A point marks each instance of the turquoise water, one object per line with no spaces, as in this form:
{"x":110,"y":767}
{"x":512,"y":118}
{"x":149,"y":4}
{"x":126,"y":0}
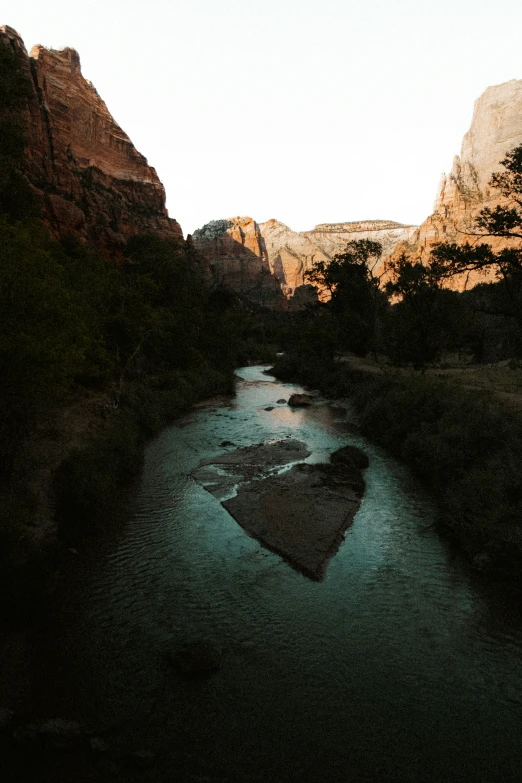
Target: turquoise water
{"x":401,"y":665}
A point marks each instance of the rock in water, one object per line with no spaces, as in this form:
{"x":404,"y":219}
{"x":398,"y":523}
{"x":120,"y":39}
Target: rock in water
{"x":302,"y":514}
{"x":350,"y":455}
{"x":300,"y":400}
{"x":199,"y":657}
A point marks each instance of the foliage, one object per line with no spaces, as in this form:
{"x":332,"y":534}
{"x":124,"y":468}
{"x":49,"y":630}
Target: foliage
{"x":464,"y":444}
{"x":426,"y":320}
{"x":355,"y":297}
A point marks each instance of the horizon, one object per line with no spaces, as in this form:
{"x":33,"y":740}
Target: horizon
{"x":284,"y":134}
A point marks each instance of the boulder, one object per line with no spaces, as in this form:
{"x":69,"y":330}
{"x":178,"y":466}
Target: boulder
{"x":300,"y":400}
{"x":350,"y":455}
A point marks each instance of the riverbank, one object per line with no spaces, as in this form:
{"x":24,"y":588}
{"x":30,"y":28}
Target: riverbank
{"x":76,"y":468}
{"x":396,"y":648}
{"x":465,"y":444}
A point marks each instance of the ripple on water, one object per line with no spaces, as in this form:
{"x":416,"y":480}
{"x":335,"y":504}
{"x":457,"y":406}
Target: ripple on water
{"x":401,"y":665}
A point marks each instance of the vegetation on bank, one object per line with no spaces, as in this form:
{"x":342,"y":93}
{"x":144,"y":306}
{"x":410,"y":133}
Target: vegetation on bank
{"x":465,"y":445}
{"x":142,"y":333}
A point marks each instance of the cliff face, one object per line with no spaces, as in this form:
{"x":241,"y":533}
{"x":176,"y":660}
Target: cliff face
{"x":291,"y":253}
{"x":93,"y":182}
{"x":495,"y":129}
{"x":235,"y":255}
{"x":287,"y":255}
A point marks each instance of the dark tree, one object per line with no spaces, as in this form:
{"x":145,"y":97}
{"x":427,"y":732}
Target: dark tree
{"x":426,"y":319}
{"x":355,"y":296}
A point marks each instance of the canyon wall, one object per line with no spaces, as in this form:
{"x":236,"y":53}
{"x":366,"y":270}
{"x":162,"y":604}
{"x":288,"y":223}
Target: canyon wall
{"x":496,"y":128}
{"x":239,"y":250}
{"x":93,"y":182}
{"x":235,"y":255}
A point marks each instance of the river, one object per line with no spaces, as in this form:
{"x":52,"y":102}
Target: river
{"x":401,"y":665}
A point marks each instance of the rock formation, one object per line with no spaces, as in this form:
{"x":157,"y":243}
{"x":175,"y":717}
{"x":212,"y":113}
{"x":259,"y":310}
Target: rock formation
{"x":235,"y":254}
{"x":241,"y":252}
{"x":92,"y":180}
{"x":291,"y":253}
{"x":496,"y":128}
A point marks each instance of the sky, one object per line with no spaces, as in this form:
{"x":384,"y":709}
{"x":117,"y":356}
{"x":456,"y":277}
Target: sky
{"x":308,"y":111}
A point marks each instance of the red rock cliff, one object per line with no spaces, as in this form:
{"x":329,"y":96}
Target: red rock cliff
{"x":495,"y":129}
{"x":235,"y":254}
{"x":93,"y":181}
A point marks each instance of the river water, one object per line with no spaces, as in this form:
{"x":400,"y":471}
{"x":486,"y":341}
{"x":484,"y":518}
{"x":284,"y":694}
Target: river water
{"x":401,"y":665}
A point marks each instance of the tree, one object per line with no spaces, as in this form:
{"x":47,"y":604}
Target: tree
{"x":355,"y":296}
{"x":426,"y":319}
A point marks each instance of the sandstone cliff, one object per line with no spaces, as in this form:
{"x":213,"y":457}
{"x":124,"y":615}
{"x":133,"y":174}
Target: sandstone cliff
{"x":495,"y":129}
{"x":235,"y":255}
{"x":291,"y":253}
{"x":239,"y":249}
{"x":93,"y":182}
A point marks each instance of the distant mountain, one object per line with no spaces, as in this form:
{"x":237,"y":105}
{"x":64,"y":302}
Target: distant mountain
{"x":242,"y":252}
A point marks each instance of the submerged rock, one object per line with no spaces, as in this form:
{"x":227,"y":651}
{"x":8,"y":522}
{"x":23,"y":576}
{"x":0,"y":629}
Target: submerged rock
{"x":220,"y":474}
{"x":301,"y":514}
{"x":282,"y":401}
{"x":199,"y":657}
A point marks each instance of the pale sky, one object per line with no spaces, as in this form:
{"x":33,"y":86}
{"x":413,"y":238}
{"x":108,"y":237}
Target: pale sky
{"x":307,"y":111}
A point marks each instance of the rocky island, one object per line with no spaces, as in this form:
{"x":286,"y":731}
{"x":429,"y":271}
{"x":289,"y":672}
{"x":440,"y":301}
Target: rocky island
{"x":298,"y":510}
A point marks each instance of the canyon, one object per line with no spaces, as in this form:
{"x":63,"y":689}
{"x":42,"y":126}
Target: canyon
{"x":92,"y":182}
{"x":254,"y":257}
{"x":244,"y":262}
{"x":94,"y":185}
